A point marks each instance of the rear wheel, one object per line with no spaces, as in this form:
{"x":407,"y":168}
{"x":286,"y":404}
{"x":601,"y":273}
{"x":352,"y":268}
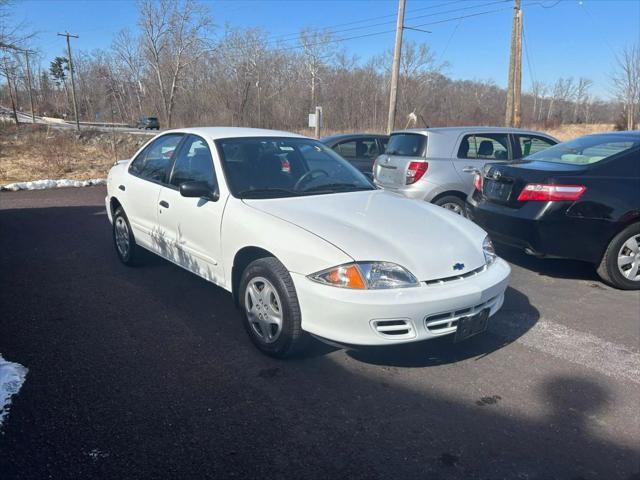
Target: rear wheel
{"x":126,"y":248}
{"x":452,"y":203}
{"x":271,"y":311}
{"x":620,"y":265}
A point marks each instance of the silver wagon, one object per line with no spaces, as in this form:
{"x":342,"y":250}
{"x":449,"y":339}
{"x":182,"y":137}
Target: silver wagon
{"x":437,"y":164}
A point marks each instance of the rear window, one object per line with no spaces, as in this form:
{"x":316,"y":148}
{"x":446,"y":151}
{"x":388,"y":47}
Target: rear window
{"x":406,"y":145}
{"x":587,"y":150}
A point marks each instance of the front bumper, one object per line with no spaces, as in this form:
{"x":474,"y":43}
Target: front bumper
{"x":385,"y":317}
{"x":107,"y":204}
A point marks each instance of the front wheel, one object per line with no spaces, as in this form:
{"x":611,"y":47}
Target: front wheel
{"x":271,"y":311}
{"x":452,"y":203}
{"x":620,"y":265}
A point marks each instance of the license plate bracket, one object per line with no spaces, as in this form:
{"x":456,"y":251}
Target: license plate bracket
{"x":472,"y":325}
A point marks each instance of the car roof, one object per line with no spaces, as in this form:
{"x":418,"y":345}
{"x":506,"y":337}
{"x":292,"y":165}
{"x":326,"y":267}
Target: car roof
{"x":216,"y":133}
{"x":347,"y":136}
{"x":470,"y":129}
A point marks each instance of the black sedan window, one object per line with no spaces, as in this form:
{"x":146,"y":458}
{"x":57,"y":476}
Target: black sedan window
{"x":587,"y":150}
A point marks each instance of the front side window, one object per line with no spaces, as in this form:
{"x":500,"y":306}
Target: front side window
{"x":485,"y":147}
{"x":153,"y":162}
{"x":406,"y":145}
{"x":587,"y":150}
{"x":193,"y":163}
{"x":266,"y":167}
{"x":530,"y":144}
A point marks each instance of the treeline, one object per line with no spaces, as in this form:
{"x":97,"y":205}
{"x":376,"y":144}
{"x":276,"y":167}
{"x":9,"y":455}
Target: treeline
{"x":169,"y":67}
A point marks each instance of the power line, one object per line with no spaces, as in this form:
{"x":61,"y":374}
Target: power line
{"x":336,"y":40}
{"x":532,"y":75}
{"x":328,"y":29}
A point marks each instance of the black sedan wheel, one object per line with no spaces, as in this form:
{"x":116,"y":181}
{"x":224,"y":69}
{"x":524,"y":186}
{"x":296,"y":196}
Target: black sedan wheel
{"x":620,"y":264}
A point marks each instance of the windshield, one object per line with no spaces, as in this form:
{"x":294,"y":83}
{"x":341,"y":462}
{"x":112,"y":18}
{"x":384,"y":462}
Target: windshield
{"x":284,"y":167}
{"x":406,"y":144}
{"x":587,"y":150}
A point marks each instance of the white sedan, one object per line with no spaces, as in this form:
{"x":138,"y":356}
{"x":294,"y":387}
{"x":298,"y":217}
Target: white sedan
{"x":303,"y":241}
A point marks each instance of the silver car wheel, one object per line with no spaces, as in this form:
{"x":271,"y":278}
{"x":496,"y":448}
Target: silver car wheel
{"x":263,"y":307}
{"x":122,"y":237}
{"x":629,"y":259}
{"x":453,"y":207}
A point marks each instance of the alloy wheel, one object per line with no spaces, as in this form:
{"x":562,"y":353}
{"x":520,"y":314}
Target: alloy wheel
{"x":453,"y":207}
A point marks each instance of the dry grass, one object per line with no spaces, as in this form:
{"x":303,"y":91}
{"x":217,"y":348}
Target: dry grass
{"x":33,"y":152}
{"x":574,"y":130}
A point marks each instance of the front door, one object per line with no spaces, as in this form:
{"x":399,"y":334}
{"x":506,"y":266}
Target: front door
{"x":140,"y":191}
{"x":190,"y":227}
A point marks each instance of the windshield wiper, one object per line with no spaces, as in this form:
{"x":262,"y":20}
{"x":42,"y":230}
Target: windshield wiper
{"x":338,"y":187}
{"x":268,"y":193}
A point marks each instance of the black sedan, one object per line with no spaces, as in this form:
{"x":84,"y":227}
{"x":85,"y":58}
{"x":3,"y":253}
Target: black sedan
{"x":359,"y":149}
{"x":578,"y":199}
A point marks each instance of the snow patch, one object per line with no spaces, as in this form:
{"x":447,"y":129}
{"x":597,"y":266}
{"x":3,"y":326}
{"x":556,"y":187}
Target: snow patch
{"x":42,"y":184}
{"x":12,"y":377}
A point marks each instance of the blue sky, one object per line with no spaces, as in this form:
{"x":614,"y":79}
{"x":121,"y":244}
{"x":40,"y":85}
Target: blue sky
{"x":567,"y":38}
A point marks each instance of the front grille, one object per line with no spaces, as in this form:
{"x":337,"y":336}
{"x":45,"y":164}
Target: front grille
{"x":447,"y":322}
{"x":396,"y":328}
{"x":442,"y":281}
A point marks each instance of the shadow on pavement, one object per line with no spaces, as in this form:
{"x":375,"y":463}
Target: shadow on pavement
{"x":550,"y":267}
{"x":442,"y":351}
{"x":147,"y":373}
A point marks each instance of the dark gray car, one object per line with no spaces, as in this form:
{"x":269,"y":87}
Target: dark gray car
{"x":359,"y":149}
{"x":148,"y":123}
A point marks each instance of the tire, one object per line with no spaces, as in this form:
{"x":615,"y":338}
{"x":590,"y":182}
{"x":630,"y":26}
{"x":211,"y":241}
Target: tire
{"x":123,"y":240}
{"x":259,"y":312}
{"x":624,"y":246}
{"x":451,"y":203}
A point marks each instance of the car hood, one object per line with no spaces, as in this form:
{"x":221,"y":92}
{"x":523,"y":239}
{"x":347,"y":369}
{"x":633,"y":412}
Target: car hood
{"x":384,"y":226}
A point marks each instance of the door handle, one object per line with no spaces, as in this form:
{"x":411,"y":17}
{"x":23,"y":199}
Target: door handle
{"x":469,"y":169}
{"x":164,"y":204}
{"x":121,"y":187}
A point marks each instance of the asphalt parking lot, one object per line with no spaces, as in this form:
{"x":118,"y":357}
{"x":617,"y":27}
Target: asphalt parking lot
{"x":148,"y":373}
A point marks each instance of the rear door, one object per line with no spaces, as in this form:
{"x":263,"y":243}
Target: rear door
{"x":361,"y":153}
{"x":476,"y":150}
{"x":189,"y":228}
{"x":390,"y":169}
{"x":147,"y":172}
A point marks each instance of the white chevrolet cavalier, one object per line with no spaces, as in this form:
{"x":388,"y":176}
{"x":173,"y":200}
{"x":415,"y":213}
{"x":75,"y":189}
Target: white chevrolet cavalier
{"x":303,"y":241}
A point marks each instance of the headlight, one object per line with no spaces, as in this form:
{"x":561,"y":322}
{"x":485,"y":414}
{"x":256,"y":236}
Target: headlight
{"x":489,"y":251}
{"x":366,"y":275}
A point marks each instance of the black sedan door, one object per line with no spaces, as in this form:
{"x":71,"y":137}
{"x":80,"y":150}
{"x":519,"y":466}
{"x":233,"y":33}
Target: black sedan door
{"x":361,"y":153}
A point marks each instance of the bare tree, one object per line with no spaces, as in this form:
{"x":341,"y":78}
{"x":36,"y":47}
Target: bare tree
{"x":626,"y":82}
{"x":173,"y":37}
{"x":317,"y":53}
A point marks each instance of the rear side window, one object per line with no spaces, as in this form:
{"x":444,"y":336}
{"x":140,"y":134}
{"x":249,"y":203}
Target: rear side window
{"x":407,"y":145}
{"x":194,"y":163}
{"x":530,"y":144}
{"x":153,"y":162}
{"x":588,"y":150}
{"x":361,"y":148}
{"x":485,"y":147}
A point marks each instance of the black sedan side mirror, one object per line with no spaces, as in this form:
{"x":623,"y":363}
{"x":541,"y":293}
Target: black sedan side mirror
{"x":199,"y":190}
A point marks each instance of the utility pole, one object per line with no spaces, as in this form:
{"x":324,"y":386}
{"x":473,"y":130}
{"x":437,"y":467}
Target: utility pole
{"x":395,"y":71}
{"x":33,"y":114}
{"x":515,"y":68}
{"x":13,"y":101}
{"x":73,"y":84}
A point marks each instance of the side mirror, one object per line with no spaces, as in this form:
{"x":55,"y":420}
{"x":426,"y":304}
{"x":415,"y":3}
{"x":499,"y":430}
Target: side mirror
{"x":199,"y":190}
